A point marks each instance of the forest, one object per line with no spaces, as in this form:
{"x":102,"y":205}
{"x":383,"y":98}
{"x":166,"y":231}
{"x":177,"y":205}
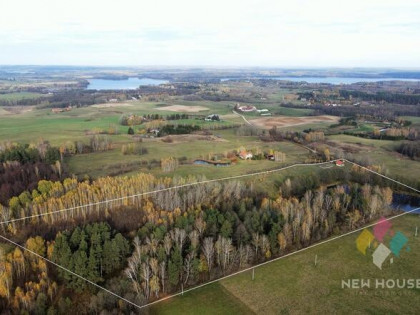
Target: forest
{"x":147,"y":246}
{"x":394,"y":98}
{"x":22,"y":166}
{"x":177,"y":129}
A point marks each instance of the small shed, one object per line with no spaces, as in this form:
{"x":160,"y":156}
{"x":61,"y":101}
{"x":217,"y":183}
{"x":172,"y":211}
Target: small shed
{"x":339,"y":163}
{"x":245,"y":155}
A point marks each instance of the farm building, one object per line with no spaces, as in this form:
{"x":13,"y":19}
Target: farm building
{"x":245,"y":108}
{"x":212,"y":117}
{"x":245,"y":155}
{"x":270,"y":157}
{"x":154,"y":131}
{"x":339,"y":163}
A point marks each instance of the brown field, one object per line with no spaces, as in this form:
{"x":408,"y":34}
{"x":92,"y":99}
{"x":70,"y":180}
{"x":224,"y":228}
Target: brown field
{"x":14,"y":110}
{"x":284,"y":121}
{"x":183,"y":108}
{"x":186,"y":138}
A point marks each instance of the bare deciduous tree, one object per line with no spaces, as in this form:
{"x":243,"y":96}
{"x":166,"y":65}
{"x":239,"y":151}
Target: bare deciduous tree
{"x":208,"y":251}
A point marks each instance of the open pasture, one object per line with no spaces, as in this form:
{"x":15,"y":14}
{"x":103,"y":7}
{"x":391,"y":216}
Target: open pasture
{"x":184,"y":108}
{"x":295,"y":285}
{"x":282,"y":122}
{"x":381,"y":153}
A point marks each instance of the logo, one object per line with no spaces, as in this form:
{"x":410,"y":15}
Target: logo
{"x":376,"y":241}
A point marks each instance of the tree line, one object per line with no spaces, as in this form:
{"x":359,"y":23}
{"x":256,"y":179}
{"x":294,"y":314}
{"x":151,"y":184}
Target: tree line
{"x":177,"y":129}
{"x":382,"y":96}
{"x":179,"y":238}
{"x":22,"y":166}
{"x":410,"y":149}
{"x":26,"y":153}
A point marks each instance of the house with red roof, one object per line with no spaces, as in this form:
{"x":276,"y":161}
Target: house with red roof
{"x":245,"y":155}
{"x":339,"y":163}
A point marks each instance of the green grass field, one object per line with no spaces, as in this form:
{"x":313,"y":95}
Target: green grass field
{"x":293,"y":112}
{"x":102,"y":163}
{"x":381,"y":153}
{"x":58,"y":128}
{"x":294,"y":285}
{"x":31,"y":126}
{"x":19,"y":96}
{"x":212,"y":299}
{"x":415,"y":121}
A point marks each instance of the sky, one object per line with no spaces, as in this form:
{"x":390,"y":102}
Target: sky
{"x":266,"y":33}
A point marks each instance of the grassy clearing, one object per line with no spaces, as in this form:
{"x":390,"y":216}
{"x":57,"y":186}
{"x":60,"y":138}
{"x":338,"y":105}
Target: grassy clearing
{"x":103,"y":163}
{"x":292,"y":112}
{"x":414,"y":120}
{"x":19,"y":96}
{"x":58,"y":128}
{"x":314,"y":126}
{"x":381,"y":153}
{"x":202,"y":302}
{"x":365,"y":141}
{"x":281,"y":96}
{"x":75,"y":125}
{"x":294,"y":285}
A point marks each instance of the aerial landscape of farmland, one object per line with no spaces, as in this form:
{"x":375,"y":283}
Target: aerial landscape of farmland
{"x":236,"y":157}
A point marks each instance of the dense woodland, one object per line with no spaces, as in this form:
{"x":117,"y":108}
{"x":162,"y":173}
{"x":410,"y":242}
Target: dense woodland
{"x":383,"y":111}
{"x":147,"y":246}
{"x":395,"y":98}
{"x":23,"y":166}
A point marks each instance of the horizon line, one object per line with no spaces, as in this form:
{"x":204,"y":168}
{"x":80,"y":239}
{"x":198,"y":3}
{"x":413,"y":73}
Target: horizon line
{"x":301,"y":67}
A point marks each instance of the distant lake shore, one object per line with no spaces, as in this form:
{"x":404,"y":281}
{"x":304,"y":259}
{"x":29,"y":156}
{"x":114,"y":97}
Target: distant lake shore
{"x":330,"y":80}
{"x":124,"y":84}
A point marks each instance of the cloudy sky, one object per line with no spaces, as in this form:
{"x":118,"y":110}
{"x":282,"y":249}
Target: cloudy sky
{"x":367,"y":33}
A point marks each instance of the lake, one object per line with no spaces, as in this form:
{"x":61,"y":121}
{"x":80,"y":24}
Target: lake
{"x":205,"y":162}
{"x":330,"y":80}
{"x":127,"y":84}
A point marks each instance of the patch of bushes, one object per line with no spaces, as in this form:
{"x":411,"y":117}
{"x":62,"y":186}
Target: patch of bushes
{"x":177,"y":130}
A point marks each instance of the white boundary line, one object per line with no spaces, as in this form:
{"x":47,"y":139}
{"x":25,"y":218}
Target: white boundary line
{"x":73,"y":273}
{"x":166,"y":189}
{"x":276,"y":259}
{"x":389,"y":178}
{"x":232,"y":274}
{"x":209,"y":282}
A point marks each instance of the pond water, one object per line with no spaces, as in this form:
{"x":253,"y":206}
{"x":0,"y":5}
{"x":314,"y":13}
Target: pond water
{"x":405,"y":202}
{"x":330,"y":80}
{"x":400,"y":201}
{"x":203,"y":162}
{"x":127,"y":84}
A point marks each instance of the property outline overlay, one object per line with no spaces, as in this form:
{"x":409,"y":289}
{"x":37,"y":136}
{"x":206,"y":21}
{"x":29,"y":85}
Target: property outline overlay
{"x":167,"y":189}
{"x":197,"y":183}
